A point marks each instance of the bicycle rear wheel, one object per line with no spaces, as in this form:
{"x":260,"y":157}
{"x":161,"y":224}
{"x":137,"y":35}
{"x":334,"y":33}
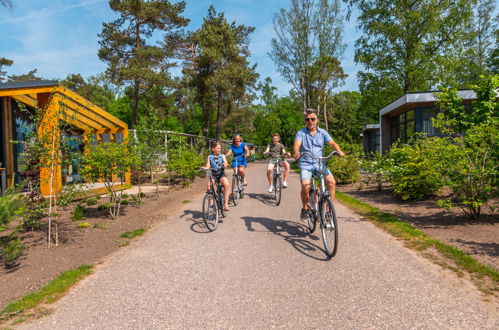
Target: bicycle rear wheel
{"x":277,"y":190}
{"x":241,"y":187}
{"x":235,"y":190}
{"x":210,"y":212}
{"x":329,"y":227}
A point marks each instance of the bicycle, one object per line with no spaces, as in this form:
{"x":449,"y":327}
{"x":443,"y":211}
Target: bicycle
{"x":237,"y":186}
{"x":213,"y":202}
{"x":321,"y":208}
{"x":277,"y":180}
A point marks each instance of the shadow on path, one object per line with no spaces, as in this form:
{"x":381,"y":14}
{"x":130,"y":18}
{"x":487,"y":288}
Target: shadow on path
{"x":292,"y":232}
{"x":196,"y":217}
{"x":266,"y":199}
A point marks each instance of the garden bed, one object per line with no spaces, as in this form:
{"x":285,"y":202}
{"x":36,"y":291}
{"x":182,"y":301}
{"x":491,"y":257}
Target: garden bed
{"x":91,"y":245}
{"x":477,"y":238}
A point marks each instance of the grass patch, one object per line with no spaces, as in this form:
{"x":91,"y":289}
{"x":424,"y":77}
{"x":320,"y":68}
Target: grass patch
{"x":133,"y":233}
{"x":185,"y":201}
{"x":125,"y":243}
{"x":420,"y":241}
{"x":48,"y":294}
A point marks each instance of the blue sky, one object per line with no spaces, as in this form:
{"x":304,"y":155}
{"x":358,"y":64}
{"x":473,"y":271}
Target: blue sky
{"x":59,"y":37}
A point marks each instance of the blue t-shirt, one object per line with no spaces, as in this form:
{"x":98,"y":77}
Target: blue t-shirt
{"x":239,"y":155}
{"x":312,"y":144}
{"x":238,"y":151}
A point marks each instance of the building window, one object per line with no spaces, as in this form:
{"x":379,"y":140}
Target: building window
{"x":23,"y":130}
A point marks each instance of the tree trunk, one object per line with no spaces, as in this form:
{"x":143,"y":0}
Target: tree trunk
{"x":219,"y":114}
{"x":326,"y":124}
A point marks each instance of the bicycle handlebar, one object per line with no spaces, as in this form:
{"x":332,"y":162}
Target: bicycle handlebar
{"x":334,"y":152}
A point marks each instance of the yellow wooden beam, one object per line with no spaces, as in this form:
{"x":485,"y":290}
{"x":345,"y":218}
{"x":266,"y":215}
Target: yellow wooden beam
{"x":27,"y":90}
{"x":26,"y":99}
{"x":69,"y":113}
{"x":99,"y":111}
{"x":89,"y":113}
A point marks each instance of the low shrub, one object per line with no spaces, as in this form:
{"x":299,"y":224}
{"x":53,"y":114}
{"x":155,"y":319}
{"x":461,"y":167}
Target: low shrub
{"x":78,"y":213}
{"x":345,"y":169}
{"x":12,"y":250}
{"x":90,"y":201}
{"x":414,"y":170}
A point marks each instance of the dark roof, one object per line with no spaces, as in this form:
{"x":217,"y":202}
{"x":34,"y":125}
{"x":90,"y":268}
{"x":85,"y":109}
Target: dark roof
{"x":27,"y":84}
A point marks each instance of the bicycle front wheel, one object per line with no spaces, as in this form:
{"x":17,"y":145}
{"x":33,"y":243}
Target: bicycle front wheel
{"x":221,"y":199}
{"x":312,"y":216}
{"x":277,"y":190}
{"x":329,"y":227}
{"x":235,"y":190}
{"x":210,"y":212}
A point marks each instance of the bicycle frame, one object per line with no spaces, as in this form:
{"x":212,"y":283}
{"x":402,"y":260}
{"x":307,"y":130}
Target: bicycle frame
{"x":216,"y":188}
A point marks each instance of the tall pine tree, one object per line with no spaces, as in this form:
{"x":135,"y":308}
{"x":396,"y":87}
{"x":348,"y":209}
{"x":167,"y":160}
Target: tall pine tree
{"x":219,"y":69}
{"x":132,"y":60}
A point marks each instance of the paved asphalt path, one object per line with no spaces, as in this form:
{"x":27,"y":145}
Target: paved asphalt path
{"x":260,"y":269}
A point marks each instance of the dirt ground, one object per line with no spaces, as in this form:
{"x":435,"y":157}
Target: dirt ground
{"x":91,"y":245}
{"x":477,"y":238}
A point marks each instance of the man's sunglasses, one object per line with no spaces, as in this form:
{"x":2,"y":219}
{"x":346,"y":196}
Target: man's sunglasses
{"x":310,"y":119}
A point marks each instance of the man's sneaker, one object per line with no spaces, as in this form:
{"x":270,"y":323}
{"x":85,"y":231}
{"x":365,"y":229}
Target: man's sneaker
{"x":285,"y":184}
{"x":271,"y":188}
{"x":304,"y":214}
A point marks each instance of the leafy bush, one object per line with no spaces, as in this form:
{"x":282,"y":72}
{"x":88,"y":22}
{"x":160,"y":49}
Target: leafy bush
{"x":184,"y":160}
{"x":109,"y":162}
{"x":78,"y":213}
{"x":472,"y":174}
{"x":68,"y":194}
{"x":345,"y":169}
{"x":376,"y":169}
{"x":414,"y":171}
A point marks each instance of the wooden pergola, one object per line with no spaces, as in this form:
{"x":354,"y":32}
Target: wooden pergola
{"x":58,"y":104}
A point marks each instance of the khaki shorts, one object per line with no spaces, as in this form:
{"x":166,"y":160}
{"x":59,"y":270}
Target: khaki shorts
{"x":271,"y":162}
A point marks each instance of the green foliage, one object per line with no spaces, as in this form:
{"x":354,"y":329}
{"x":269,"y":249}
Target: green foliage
{"x":376,"y":169}
{"x":307,"y":48}
{"x":284,"y":116}
{"x":78,"y":213}
{"x":106,"y":162}
{"x":12,"y":205}
{"x":103,"y":207}
{"x":68,"y":194}
{"x":220,"y":72}
{"x":146,"y":65}
{"x":133,"y":233}
{"x":12,"y":250}
{"x":345,"y":169}
{"x":183,"y":160}
{"x":346,"y":117}
{"x":473,"y":173}
{"x":415,"y":170}
{"x":90,"y":201}
{"x":4,"y":62}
